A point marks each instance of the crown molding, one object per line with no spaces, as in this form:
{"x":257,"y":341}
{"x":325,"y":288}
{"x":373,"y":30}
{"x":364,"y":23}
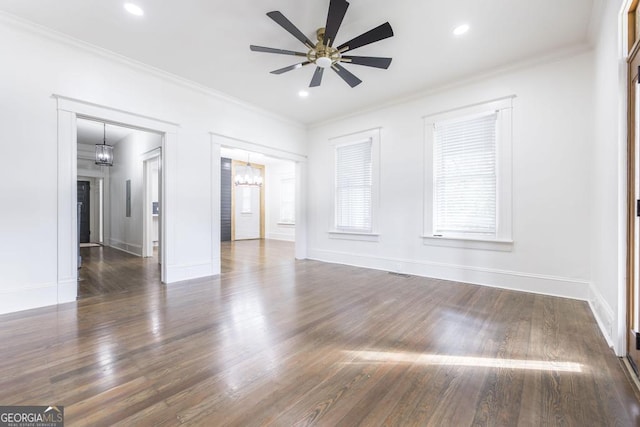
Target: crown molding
{"x":437,"y":88}
{"x":56,"y":36}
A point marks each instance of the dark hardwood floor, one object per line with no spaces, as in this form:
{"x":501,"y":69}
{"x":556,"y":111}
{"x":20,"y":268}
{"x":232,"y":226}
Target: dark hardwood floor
{"x":245,"y":255}
{"x":105,"y":270}
{"x":273,"y":341}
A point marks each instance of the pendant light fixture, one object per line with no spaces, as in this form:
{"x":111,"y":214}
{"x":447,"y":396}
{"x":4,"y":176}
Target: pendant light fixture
{"x":104,"y":152}
{"x":247,"y":175}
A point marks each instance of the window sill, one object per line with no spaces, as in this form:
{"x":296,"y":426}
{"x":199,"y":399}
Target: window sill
{"x":468,"y":243}
{"x":354,"y":235}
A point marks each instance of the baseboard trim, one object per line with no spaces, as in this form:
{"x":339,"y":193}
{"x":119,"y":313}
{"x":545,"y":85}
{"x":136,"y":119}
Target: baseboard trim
{"x":180,"y":273}
{"x":514,"y":280}
{"x":36,"y":296}
{"x":603,"y":314}
{"x":130,"y":248}
{"x":281,"y":236}
{"x":67,"y":291}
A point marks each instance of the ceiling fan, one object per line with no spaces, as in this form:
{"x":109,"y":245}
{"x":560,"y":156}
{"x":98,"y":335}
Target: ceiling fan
{"x":322,"y":53}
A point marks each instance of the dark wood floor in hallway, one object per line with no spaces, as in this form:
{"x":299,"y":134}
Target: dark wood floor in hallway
{"x":273,"y":341}
{"x":106,"y":270}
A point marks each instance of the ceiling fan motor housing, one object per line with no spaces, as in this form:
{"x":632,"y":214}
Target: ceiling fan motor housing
{"x":322,"y":55}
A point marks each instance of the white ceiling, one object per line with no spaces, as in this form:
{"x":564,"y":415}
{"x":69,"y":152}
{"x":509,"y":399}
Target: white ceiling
{"x":91,"y":132}
{"x":207,"y":41}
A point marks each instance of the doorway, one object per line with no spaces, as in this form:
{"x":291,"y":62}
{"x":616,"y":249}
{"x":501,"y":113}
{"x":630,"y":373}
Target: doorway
{"x":69,"y":111}
{"x":266,"y":211}
{"x":91,"y":201}
{"x":84,"y":211}
{"x":118,"y":206}
{"x":257,"y":222}
{"x":633,"y":196}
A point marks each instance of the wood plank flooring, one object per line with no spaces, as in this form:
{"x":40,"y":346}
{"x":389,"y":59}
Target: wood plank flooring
{"x":279,"y":342}
{"x":106,"y":270}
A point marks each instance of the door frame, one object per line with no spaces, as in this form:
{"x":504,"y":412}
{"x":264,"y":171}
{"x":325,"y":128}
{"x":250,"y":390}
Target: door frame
{"x":300,"y":160}
{"x":69,"y":109}
{"x":632,"y":325}
{"x":147,"y":217}
{"x":632,"y":195}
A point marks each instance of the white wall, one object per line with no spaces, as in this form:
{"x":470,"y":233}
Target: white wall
{"x":39,"y":66}
{"x":552,"y":160}
{"x":126,"y":232}
{"x":276,"y":171}
{"x":608,"y":181}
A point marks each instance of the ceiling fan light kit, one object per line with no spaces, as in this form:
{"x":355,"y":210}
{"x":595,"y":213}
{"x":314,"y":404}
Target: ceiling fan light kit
{"x":323,"y":54}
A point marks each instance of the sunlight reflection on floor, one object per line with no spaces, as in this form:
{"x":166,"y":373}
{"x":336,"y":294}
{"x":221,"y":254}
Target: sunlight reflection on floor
{"x":483,"y":362}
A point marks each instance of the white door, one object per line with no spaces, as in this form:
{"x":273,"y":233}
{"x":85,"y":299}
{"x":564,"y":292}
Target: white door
{"x":247,"y":212}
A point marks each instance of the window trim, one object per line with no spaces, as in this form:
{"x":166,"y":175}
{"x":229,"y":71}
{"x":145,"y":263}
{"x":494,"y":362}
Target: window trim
{"x":503,"y":239}
{"x":372,"y":135}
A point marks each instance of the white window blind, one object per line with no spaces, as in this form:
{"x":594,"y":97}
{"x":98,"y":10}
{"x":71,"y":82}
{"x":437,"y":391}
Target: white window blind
{"x":354,"y":187}
{"x":465,"y":186}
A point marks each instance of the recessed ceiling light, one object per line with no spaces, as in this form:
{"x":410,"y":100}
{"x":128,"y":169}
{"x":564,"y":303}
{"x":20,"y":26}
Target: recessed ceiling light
{"x":134,"y":9}
{"x":461,"y":29}
{"x":303,"y":94}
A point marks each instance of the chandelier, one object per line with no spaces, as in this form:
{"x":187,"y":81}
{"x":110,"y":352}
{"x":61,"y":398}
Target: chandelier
{"x":248,"y":176}
{"x":104,"y":152}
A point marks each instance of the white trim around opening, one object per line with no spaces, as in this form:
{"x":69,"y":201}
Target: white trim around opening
{"x":69,"y":110}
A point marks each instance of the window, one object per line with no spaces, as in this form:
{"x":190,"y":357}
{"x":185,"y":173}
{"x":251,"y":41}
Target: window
{"x":468,"y":178}
{"x":356,"y":198}
{"x":353,"y":187}
{"x":287,"y":201}
{"x":464,"y":177}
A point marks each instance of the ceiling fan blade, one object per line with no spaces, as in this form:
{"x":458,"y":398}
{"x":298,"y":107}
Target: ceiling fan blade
{"x":292,"y":29}
{"x":290,"y":68}
{"x":369,"y":61}
{"x":381,"y":32}
{"x":317,"y":77}
{"x":337,"y":10}
{"x":272,"y":50}
{"x":351,"y":80}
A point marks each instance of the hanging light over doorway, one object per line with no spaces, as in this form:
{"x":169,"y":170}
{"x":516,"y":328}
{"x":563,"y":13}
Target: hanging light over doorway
{"x":247,"y":175}
{"x":104,"y":152}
